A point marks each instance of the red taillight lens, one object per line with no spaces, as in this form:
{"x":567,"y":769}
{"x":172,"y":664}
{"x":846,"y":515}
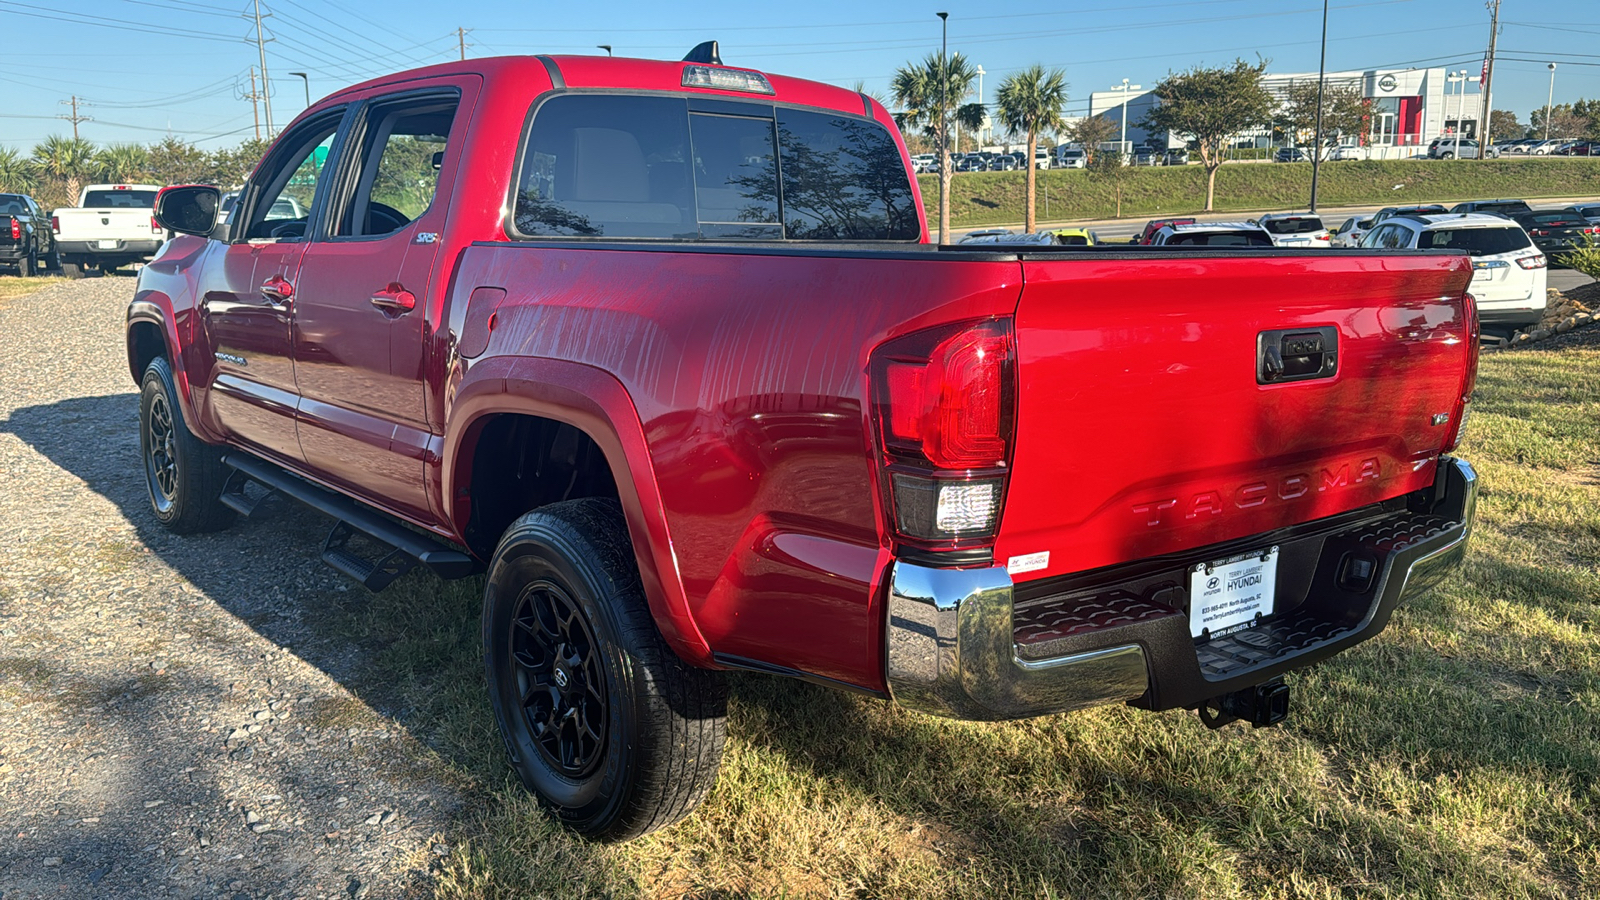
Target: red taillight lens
{"x":16,"y":230}
{"x":1532,"y":262}
{"x":948,"y":405}
{"x":1469,"y":377}
{"x":155,"y":227}
{"x":55,"y":224}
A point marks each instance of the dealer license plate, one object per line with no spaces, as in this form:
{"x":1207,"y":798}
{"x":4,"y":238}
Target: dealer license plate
{"x":107,"y":245}
{"x":1232,"y":594}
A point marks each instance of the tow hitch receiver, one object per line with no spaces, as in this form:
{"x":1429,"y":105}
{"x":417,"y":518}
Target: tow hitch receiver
{"x":1261,"y":705}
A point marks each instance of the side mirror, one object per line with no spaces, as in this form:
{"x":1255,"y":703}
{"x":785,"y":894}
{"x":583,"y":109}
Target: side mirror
{"x":188,"y":209}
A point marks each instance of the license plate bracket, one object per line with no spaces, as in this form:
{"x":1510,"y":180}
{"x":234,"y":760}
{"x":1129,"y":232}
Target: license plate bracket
{"x":1232,"y":594}
{"x":106,"y":245}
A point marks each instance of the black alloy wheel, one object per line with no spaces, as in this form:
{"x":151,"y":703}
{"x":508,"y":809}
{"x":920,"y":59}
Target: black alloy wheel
{"x":161,"y":456}
{"x":184,"y":474}
{"x":560,"y":677}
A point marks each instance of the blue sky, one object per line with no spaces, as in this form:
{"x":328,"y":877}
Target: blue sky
{"x":142,"y":67}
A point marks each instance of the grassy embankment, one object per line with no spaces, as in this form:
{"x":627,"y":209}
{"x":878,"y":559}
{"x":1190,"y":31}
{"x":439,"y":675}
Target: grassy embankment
{"x":985,"y":198}
{"x":1456,"y":755}
{"x":15,"y":287}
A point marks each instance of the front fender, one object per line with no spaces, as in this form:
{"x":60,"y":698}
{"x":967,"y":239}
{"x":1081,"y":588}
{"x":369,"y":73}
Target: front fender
{"x":597,"y":404}
{"x":156,"y":308}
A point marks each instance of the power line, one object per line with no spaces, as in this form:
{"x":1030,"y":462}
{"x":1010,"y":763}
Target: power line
{"x":74,"y":118}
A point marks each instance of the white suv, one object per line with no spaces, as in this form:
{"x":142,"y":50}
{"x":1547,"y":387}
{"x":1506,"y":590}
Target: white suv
{"x":1509,"y":272}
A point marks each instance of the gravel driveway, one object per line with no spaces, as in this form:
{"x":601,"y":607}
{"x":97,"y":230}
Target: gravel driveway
{"x":173,"y":723}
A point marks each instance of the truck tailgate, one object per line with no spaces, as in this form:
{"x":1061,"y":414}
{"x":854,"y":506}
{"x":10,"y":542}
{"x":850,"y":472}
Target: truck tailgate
{"x":78,"y":224}
{"x":1142,"y":428}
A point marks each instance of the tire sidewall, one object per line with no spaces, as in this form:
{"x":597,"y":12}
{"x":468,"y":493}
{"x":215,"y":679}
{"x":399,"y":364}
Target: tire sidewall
{"x":542,"y":549}
{"x":158,"y":382}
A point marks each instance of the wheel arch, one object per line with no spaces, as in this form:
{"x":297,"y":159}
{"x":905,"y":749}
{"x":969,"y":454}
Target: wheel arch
{"x":151,"y":333}
{"x":599,"y":407}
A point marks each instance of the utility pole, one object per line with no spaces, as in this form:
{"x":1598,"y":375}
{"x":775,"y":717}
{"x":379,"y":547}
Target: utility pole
{"x":255,"y":105}
{"x":74,"y":118}
{"x":461,"y":38}
{"x":1488,"y":75}
{"x":1322,"y":76}
{"x":261,"y":49}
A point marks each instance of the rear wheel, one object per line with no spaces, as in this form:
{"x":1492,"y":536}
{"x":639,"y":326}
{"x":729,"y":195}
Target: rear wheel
{"x":72,"y":270}
{"x":27,"y":266}
{"x":52,"y":261}
{"x":1447,"y":155}
{"x":184,"y":474}
{"x":603,"y":722}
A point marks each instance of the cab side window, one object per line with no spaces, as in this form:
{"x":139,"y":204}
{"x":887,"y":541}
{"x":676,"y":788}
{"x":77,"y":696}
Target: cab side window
{"x":282,"y":210}
{"x":402,"y":151}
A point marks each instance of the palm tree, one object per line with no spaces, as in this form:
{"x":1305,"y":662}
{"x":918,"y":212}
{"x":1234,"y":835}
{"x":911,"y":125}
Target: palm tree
{"x":123,"y":163}
{"x":69,"y":160}
{"x":17,"y":174}
{"x":929,"y":95}
{"x":1029,"y":102}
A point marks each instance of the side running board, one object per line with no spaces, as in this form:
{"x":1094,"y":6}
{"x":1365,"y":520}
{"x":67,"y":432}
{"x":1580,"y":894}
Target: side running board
{"x":404,"y":548}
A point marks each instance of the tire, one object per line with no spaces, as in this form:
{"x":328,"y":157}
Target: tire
{"x":183,"y":474}
{"x":52,"y":261}
{"x":72,"y":270}
{"x":568,"y":638}
{"x":1447,"y":155}
{"x":28,"y":266}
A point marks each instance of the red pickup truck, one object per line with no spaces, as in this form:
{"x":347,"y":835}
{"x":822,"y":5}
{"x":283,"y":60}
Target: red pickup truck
{"x":664,"y":349}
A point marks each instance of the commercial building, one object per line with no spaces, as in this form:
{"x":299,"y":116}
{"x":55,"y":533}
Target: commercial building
{"x":1409,"y":108}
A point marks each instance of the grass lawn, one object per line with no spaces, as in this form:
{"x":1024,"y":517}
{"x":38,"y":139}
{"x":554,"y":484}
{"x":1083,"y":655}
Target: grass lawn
{"x":1456,"y":755}
{"x":15,"y":287}
{"x":983,"y":198}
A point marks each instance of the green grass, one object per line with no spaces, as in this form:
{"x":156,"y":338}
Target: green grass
{"x":11,"y":286}
{"x":984,"y":198}
{"x":1456,"y":755}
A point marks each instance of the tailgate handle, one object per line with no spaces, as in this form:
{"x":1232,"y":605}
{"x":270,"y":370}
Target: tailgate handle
{"x":1297,"y":354}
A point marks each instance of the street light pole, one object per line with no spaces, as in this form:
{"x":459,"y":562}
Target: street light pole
{"x":1459,"y":78}
{"x":1124,"y":87}
{"x":605,"y":47}
{"x":944,"y":130}
{"x":981,"y":73}
{"x":1322,"y":69}
{"x":1547,"y":100}
{"x":307,"y":79}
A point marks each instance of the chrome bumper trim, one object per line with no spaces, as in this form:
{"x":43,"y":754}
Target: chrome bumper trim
{"x":951,"y":652}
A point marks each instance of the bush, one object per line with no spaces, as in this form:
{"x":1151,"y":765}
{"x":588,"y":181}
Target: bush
{"x":1585,"y":259}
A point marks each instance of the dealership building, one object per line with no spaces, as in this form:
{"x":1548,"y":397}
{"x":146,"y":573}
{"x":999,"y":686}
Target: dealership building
{"x":1409,"y":108}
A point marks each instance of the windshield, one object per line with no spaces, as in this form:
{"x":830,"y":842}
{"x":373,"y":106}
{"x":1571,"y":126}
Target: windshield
{"x":1475,"y":241}
{"x":1299,"y":225}
{"x":120,"y":200}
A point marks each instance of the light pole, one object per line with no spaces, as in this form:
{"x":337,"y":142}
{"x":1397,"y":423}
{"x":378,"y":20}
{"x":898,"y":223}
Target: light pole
{"x":944,"y":131}
{"x":1449,"y":79}
{"x":1322,"y":69}
{"x":981,"y":73}
{"x":1547,"y":98}
{"x":1124,"y":87}
{"x":605,"y":47}
{"x":307,"y":80}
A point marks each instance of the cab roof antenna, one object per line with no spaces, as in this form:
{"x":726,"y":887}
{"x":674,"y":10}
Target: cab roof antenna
{"x":705,"y":53}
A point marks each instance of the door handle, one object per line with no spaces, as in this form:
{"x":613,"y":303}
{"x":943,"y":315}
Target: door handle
{"x":395,"y":299}
{"x":278,"y":291}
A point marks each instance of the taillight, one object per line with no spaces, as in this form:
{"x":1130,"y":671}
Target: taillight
{"x":1532,"y":262}
{"x":16,"y":230}
{"x":1539,"y":232}
{"x":155,"y":227}
{"x":942,"y":403}
{"x":1469,"y":377}
{"x":55,"y":224}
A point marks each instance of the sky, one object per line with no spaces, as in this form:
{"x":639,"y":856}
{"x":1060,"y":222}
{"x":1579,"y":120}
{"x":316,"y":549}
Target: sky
{"x":142,"y":69}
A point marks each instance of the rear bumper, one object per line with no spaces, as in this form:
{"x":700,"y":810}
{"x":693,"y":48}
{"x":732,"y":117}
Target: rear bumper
{"x":122,"y":249}
{"x":958,"y":643}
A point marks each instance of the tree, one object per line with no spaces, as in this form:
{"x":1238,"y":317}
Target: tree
{"x":232,"y":165}
{"x":174,"y":161}
{"x":1211,"y":106}
{"x":1504,"y":122}
{"x":1563,"y":123}
{"x":17,"y":172}
{"x":1090,"y":132}
{"x":930,"y":96}
{"x":1344,"y":111}
{"x":1589,"y":112}
{"x":1029,"y":102}
{"x":123,"y":163}
{"x":69,"y":161}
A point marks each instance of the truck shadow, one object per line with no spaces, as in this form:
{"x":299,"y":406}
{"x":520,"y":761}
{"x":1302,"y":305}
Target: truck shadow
{"x":1073,"y":800}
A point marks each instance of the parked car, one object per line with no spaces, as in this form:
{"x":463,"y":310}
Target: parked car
{"x":110,"y":227}
{"x":1453,"y":148}
{"x":970,"y":162}
{"x":1071,"y":157}
{"x":1580,"y":148}
{"x":1545,"y":148}
{"x":1154,"y":225}
{"x":1348,"y":152}
{"x":1509,"y":272}
{"x":785,"y":445}
{"x":1290,"y":154}
{"x":1146,"y":156}
{"x":282,"y":208}
{"x":1042,"y":159}
{"x":1296,"y":230}
{"x":1421,"y":209}
{"x":1556,"y":231}
{"x":1590,"y":211}
{"x":1003,"y":163}
{"x":984,"y":235}
{"x":1349,"y":234}
{"x":1059,"y":237}
{"x":924,"y":162}
{"x":27,"y":242}
{"x":1177,"y":156}
{"x":1212,"y":234}
{"x":1503,"y":208}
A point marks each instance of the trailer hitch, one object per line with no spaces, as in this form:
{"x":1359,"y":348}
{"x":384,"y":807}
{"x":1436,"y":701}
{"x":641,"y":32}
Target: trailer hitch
{"x":1261,"y":705}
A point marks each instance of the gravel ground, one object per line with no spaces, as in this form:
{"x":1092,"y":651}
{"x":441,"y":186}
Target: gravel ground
{"x":174,"y":719}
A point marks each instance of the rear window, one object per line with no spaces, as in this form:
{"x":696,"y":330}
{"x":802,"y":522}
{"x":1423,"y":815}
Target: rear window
{"x":1221,"y":239}
{"x":1513,"y":208}
{"x":1588,"y":211}
{"x":1303,"y":225}
{"x":120,"y":200}
{"x":1551,"y":219}
{"x":652,"y":167}
{"x":1475,"y":241}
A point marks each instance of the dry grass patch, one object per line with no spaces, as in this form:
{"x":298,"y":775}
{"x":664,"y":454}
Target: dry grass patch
{"x":12,"y":287}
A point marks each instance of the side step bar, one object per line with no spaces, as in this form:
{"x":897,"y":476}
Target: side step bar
{"x":406,"y":547}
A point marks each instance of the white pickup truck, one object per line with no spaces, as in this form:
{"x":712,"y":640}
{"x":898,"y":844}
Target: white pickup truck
{"x":111,"y":226}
